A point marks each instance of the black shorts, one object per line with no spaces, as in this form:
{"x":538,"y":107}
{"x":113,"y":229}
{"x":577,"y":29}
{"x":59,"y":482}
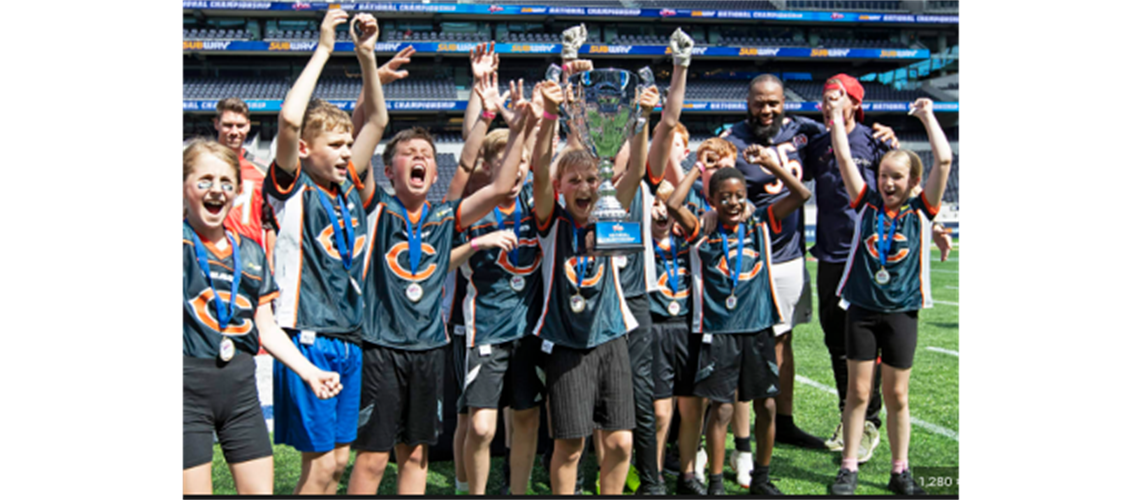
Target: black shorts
{"x":895,"y":333}
{"x":458,"y":362}
{"x":669,"y":337}
{"x":686,"y":360}
{"x":222,"y":397}
{"x":507,"y":374}
{"x":742,"y":364}
{"x":401,"y":398}
{"x":590,"y":389}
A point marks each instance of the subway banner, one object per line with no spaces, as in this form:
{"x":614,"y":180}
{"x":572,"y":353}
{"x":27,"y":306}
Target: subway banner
{"x":274,"y":105}
{"x":542,"y":10}
{"x":556,"y":48}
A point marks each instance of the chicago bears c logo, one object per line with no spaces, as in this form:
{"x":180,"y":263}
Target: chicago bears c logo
{"x":327,"y":239}
{"x":204,"y":310}
{"x":663,"y":284}
{"x":572,"y":274}
{"x":899,"y":250}
{"x":504,"y":260}
{"x":393,"y":260}
{"x":747,"y":274}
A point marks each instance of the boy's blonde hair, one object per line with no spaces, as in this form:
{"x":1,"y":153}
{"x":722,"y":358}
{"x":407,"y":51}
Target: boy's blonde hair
{"x":574,"y":157}
{"x":321,"y":117}
{"x":494,"y":143}
{"x":720,"y":147}
{"x":201,"y":146}
{"x":406,"y":135}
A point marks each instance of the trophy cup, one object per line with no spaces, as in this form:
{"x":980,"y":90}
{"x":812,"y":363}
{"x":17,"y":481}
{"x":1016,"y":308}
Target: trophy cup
{"x":602,"y":107}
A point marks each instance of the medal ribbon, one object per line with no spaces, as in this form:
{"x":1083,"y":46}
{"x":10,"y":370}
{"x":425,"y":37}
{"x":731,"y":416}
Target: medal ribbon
{"x":671,"y":274}
{"x":580,"y":266}
{"x":513,"y":254}
{"x":225,"y":312}
{"x":739,"y":252}
{"x":344,"y":245}
{"x":415,"y":238}
{"x":884,"y":239}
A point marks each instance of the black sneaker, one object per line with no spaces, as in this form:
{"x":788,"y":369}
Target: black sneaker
{"x":505,"y":489}
{"x":716,"y":485}
{"x":651,"y":489}
{"x":690,"y":486}
{"x":903,"y":484}
{"x":794,"y":436}
{"x":845,"y":482}
{"x":763,"y":487}
{"x":672,"y":465}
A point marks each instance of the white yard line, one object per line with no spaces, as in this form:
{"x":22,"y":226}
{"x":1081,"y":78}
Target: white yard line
{"x":944,"y":271}
{"x":943,"y":351}
{"x":951,"y":287}
{"x":937,"y":429}
{"x":955,"y":304}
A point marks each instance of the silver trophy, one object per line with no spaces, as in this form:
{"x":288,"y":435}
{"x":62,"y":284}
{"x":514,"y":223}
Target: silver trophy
{"x":602,"y":107}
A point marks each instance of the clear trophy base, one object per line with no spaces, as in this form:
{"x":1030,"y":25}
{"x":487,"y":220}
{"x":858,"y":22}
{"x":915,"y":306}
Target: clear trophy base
{"x":617,"y":238}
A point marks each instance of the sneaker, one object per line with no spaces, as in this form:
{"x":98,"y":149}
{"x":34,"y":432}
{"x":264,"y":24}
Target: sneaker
{"x":741,"y":463}
{"x":868,"y":442}
{"x":652,"y":489}
{"x":836,"y":441}
{"x":690,"y":486}
{"x":672,"y":462}
{"x":505,"y":489}
{"x":716,"y":485}
{"x":794,"y":436}
{"x":702,"y":461}
{"x":764,"y":488}
{"x":845,"y":482}
{"x":903,"y":484}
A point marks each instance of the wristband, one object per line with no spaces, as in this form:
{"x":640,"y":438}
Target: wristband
{"x":548,"y":116}
{"x":475,"y":244}
{"x":489,"y":115}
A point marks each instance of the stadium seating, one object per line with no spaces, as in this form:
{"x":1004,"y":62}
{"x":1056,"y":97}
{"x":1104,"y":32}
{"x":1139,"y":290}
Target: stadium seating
{"x":951,"y":194}
{"x":215,"y":34}
{"x":342,"y":88}
{"x":849,"y":43}
{"x":886,"y":6}
{"x":813,"y":91}
{"x":432,"y":36}
{"x":920,"y":136}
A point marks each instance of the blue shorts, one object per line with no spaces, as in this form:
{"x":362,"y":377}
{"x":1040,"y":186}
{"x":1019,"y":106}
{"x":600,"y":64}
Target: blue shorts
{"x":300,"y":419}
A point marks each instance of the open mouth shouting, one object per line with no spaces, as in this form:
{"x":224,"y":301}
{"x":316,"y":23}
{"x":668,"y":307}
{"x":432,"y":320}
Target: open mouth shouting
{"x":417,"y":177}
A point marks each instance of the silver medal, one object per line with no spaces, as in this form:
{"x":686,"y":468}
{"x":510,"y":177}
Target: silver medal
{"x":730,"y":302}
{"x":674,"y":308}
{"x":882,"y":277}
{"x":620,"y":261}
{"x":414,"y":292}
{"x":226,"y":349}
{"x":517,"y":283}
{"x":577,"y":303}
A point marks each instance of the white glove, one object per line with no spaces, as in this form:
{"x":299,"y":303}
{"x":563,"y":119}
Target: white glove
{"x":572,"y":39}
{"x":682,"y":47}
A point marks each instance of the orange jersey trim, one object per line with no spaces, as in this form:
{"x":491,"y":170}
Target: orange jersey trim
{"x":777,"y":225}
{"x":273,"y":176}
{"x":862,"y":194}
{"x":265,"y":299}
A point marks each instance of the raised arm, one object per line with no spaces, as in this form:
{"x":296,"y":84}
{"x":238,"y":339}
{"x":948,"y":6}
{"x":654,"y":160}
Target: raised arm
{"x":833,"y":111}
{"x":943,"y":157}
{"x":486,"y":92}
{"x":798,"y":194}
{"x":388,"y":73}
{"x":484,"y":62}
{"x":540,"y":158}
{"x":481,"y":202}
{"x":676,"y":203}
{"x":628,"y":184}
{"x":293,"y":109}
{"x":375,"y":114}
{"x":659,"y":153}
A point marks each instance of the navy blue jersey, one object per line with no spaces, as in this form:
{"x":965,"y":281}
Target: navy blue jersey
{"x":675,"y":290}
{"x":835,"y":219}
{"x":636,"y":270}
{"x":317,"y":292}
{"x":907,"y":261}
{"x":757,"y":307}
{"x":495,"y":312}
{"x":605,"y":316}
{"x":201,"y":333}
{"x":765,"y":188}
{"x":392,"y":318}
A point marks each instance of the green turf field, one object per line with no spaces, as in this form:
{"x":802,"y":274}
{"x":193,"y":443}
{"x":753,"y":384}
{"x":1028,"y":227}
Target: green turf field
{"x":933,"y":400}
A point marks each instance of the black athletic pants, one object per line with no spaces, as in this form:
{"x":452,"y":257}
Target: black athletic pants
{"x":641,"y":364}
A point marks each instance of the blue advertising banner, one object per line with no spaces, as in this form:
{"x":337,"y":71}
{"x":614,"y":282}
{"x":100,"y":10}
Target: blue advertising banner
{"x":273,"y":105}
{"x":556,"y":48}
{"x":542,"y":10}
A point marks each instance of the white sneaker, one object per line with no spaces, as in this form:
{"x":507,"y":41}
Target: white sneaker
{"x":742,"y":465}
{"x":702,"y":461}
{"x":868,"y":442}
{"x":836,"y":441}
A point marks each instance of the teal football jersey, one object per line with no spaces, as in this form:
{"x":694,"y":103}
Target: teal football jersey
{"x":671,"y":261}
{"x":604,"y":315}
{"x":402,"y":303}
{"x":907,"y":259}
{"x":636,"y":270}
{"x":317,"y":292}
{"x":756,"y":305}
{"x":502,"y":299}
{"x":201,"y":333}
